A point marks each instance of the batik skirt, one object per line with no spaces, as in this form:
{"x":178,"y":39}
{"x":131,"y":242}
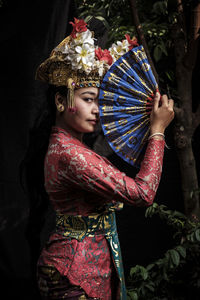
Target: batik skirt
{"x":53,"y":286}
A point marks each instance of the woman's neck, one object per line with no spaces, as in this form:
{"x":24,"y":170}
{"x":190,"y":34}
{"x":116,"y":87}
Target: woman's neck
{"x":76,"y":134}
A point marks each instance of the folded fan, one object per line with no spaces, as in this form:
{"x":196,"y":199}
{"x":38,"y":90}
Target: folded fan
{"x":126,"y":99}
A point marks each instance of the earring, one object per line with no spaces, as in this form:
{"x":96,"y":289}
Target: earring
{"x":60,"y":107}
{"x":72,"y":110}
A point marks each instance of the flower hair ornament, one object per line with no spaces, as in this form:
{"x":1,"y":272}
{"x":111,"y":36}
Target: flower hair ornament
{"x":76,"y":62}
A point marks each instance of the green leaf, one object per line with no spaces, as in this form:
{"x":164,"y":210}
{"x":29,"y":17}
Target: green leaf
{"x":150,"y":286}
{"x":139,"y":270}
{"x":104,"y":21}
{"x":133,"y":295}
{"x":88,"y":18}
{"x":149,"y":267}
{"x":190,"y":237}
{"x":135,"y":270}
{"x":182,"y":251}
{"x":169,"y":76}
{"x":132,"y":271}
{"x":177,"y":213}
{"x":159,"y":262}
{"x":175,"y":257}
{"x":149,"y":211}
{"x":128,"y":297}
{"x":197,"y":234}
{"x":155,"y":205}
{"x":144,"y":273}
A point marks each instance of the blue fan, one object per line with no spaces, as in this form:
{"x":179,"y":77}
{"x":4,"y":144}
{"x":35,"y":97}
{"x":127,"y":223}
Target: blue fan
{"x":126,"y":99}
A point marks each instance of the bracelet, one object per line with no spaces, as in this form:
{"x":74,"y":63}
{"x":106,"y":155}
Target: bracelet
{"x":161,"y":134}
{"x":156,"y":133}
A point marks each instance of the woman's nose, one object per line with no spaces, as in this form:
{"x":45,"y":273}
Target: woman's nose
{"x":96,"y":107}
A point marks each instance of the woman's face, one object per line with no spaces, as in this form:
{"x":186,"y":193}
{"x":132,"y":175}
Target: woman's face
{"x":86,"y":117}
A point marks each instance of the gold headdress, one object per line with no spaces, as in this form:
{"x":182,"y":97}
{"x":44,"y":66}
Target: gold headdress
{"x":76,"y":62}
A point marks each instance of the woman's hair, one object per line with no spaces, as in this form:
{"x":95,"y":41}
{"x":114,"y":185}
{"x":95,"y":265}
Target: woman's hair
{"x":32,"y":169}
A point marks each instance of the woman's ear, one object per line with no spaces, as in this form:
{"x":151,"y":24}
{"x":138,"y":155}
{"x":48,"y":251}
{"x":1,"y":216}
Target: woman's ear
{"x":59,"y":99}
{"x":60,"y":102}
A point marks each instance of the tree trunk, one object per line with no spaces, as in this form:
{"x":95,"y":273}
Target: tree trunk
{"x":184,"y":128}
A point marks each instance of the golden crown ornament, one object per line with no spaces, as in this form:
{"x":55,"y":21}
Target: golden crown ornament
{"x":76,"y":62}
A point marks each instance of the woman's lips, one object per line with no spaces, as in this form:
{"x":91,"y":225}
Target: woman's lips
{"x":94,"y":122}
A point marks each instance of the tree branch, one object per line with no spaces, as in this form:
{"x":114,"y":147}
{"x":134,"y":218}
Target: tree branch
{"x":193,"y":43}
{"x":141,"y":36}
{"x":181,"y":14}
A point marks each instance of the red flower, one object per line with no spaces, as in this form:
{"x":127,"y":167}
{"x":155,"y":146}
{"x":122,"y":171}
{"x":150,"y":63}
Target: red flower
{"x":104,"y":55}
{"x":132,"y":42}
{"x":78,"y":26}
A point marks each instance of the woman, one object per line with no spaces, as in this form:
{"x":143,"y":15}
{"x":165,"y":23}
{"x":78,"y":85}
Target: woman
{"x":82,"y":258}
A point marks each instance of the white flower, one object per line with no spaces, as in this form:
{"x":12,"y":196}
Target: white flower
{"x":119,"y":49}
{"x":85,"y":54}
{"x":100,"y":65}
{"x":83,"y":38}
{"x":82,"y":57}
{"x":125,"y":45}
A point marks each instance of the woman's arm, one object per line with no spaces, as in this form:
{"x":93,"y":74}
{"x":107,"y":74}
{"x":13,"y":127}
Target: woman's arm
{"x":89,"y":171}
{"x":93,"y":173}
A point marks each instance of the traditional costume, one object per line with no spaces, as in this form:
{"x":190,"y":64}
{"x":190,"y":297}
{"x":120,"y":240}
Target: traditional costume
{"x":82,"y":258}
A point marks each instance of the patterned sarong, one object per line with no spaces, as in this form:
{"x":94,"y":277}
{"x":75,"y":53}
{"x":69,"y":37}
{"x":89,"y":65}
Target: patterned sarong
{"x":79,"y":227}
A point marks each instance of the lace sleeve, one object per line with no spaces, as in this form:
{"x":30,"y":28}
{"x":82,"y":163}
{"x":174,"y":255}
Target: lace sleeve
{"x":89,"y":171}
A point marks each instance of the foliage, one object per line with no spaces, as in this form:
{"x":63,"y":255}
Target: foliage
{"x":166,"y":277}
{"x":114,"y":14}
{"x":156,"y":18}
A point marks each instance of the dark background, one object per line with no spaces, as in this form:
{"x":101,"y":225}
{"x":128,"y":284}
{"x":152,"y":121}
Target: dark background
{"x":29,"y":31}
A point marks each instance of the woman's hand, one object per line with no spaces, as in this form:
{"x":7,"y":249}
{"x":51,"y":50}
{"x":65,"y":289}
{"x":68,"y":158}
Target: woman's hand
{"x":162,"y":114}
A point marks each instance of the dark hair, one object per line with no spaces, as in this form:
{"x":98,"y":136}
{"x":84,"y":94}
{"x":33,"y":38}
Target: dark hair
{"x":32,"y":170}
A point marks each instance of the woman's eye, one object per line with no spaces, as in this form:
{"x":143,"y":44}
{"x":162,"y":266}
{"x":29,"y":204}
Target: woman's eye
{"x":88,"y":99}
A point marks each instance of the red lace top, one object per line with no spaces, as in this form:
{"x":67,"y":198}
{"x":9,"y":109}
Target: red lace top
{"x":80,"y":182}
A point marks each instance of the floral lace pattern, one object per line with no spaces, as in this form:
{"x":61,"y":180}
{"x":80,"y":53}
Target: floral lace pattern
{"x":80,"y":182}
